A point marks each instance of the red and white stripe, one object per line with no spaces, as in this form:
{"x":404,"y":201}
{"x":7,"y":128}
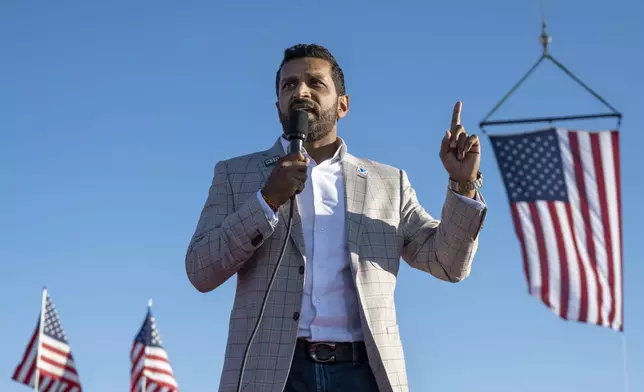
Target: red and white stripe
{"x":572,"y":252}
{"x":151,"y":367}
{"x":56,"y":369}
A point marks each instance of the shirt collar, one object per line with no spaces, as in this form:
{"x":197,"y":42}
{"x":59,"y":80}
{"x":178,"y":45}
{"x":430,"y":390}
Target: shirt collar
{"x":337,"y":156}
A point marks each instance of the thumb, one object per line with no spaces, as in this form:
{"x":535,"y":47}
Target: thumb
{"x":301,"y":158}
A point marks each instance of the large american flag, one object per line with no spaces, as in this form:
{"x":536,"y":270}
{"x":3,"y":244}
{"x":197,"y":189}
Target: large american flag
{"x":48,"y":358}
{"x":151,"y":370}
{"x":564,"y":192}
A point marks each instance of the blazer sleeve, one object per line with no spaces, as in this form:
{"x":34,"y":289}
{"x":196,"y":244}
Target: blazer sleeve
{"x":445,"y":248}
{"x":225,"y":237}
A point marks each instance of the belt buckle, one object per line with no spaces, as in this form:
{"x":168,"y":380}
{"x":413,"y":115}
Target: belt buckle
{"x":313,"y":351}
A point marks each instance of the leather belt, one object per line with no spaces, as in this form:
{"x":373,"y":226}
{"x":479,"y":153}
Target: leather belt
{"x":330,"y":352}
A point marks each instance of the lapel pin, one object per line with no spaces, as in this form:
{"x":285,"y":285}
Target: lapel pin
{"x":272,"y":161}
{"x":362,"y":171}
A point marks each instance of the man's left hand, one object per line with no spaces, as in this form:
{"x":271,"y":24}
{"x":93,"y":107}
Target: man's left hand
{"x":460,"y":153}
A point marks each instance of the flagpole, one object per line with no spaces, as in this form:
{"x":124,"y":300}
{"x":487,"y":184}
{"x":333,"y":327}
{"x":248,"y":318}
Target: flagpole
{"x":41,"y":326}
{"x":627,"y":386}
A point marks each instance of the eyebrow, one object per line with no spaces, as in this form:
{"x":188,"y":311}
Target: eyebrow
{"x":317,"y":74}
{"x":314,"y":74}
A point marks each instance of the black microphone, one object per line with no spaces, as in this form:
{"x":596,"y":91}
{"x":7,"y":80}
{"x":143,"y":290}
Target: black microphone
{"x":297,"y":130}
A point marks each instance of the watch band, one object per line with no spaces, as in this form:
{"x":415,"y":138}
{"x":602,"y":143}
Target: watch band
{"x":460,"y":187}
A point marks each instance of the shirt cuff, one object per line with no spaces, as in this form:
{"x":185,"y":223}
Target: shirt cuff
{"x":476,"y":202}
{"x":268,"y":211}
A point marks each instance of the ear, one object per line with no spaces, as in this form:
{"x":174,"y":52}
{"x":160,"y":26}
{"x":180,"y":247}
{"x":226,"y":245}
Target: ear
{"x":343,"y":106}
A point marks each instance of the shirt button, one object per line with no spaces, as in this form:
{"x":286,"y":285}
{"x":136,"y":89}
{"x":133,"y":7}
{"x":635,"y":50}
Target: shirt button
{"x":296,"y":316}
{"x":301,"y":269}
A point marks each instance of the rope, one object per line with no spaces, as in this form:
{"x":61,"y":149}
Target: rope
{"x":512,"y":90}
{"x":582,"y":84}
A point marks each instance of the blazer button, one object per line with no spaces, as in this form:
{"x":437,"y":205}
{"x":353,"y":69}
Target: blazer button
{"x":296,"y":316}
{"x":301,"y":269}
{"x":256,"y":241}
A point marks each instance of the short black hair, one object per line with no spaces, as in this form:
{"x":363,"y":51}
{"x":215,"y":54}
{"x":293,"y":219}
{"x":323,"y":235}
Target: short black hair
{"x":317,"y":51}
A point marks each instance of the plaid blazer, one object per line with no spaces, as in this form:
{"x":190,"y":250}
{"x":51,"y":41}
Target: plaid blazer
{"x":384,"y":223}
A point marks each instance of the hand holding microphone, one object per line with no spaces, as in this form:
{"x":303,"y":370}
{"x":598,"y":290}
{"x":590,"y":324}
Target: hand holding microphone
{"x":287,"y":179}
{"x":290,"y":173}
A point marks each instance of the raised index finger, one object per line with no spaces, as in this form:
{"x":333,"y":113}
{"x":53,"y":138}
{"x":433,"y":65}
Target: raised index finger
{"x":456,"y":115}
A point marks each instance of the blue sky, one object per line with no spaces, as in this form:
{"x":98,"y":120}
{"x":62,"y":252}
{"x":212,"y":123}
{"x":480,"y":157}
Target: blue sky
{"x":113,"y":115}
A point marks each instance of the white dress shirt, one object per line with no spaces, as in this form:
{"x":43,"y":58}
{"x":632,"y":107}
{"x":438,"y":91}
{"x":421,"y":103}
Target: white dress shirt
{"x":330,"y":303}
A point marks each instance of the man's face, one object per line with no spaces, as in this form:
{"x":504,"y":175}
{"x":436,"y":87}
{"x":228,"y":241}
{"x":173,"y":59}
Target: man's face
{"x":306,"y":83}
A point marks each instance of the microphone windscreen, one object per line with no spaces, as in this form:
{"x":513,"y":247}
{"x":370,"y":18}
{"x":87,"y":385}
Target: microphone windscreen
{"x":299,"y":123}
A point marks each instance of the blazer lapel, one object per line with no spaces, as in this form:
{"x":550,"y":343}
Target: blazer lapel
{"x":355,"y":191}
{"x":270,"y":158}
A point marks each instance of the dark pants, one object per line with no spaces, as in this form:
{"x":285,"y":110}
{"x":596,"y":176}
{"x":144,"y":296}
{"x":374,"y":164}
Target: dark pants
{"x":348,"y":375}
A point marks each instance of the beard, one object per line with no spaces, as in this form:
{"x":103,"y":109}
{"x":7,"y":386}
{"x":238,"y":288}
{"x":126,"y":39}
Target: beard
{"x":320,"y":125}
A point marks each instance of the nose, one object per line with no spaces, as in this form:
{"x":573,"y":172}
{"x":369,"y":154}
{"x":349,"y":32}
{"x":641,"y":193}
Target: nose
{"x":302,"y":91}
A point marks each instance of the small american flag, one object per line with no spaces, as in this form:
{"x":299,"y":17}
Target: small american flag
{"x":48,"y":358}
{"x":564,"y":192}
{"x":151,"y":370}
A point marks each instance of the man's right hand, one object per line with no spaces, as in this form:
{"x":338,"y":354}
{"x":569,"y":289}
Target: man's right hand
{"x":288,"y":177}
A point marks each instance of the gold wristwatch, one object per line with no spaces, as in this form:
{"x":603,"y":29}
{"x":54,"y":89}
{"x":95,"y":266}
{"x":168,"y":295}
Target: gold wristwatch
{"x":462,"y":187}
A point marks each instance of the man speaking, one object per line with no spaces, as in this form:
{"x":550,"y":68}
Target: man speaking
{"x":328,"y":323}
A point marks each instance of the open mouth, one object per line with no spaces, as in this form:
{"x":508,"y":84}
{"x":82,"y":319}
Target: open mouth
{"x":306,"y":107}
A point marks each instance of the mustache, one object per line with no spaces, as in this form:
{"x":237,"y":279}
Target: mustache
{"x":305,"y":104}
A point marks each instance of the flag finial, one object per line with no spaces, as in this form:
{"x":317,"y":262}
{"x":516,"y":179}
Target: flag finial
{"x":544,"y":38}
